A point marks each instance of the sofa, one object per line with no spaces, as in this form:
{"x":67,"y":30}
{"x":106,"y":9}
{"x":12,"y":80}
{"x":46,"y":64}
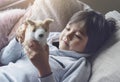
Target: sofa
{"x":106,"y":62}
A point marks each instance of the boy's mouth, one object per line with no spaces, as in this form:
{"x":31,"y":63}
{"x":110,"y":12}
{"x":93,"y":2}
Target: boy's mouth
{"x":65,"y":42}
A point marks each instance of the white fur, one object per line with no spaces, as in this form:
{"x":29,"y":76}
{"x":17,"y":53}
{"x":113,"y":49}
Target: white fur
{"x":38,"y":32}
{"x":35,"y":35}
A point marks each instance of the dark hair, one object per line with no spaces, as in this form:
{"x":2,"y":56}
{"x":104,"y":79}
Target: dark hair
{"x":98,"y":29}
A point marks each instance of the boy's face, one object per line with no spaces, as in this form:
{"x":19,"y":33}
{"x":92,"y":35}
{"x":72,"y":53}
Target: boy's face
{"x":73,"y":37}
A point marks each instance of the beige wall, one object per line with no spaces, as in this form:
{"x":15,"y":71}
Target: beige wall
{"x":104,"y":5}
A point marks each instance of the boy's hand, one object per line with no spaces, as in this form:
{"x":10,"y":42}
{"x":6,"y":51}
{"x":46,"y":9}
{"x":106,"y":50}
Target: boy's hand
{"x":39,"y":56}
{"x":36,"y":52}
{"x":20,"y":34}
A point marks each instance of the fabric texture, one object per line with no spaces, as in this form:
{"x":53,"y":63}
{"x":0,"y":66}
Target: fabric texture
{"x":8,"y":19}
{"x":16,"y":67}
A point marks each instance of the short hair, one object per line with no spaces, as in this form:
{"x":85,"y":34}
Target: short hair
{"x":98,"y":29}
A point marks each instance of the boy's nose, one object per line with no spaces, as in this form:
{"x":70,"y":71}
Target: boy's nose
{"x":69,"y":36}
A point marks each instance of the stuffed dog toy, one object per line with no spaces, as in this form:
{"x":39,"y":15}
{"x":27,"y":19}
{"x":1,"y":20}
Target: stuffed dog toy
{"x":36,"y":30}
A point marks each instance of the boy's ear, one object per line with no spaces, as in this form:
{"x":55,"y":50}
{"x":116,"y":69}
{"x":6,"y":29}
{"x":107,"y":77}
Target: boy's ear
{"x":30,"y":21}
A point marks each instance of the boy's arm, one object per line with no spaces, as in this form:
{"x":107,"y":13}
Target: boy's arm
{"x":20,"y":71}
{"x":11,"y":52}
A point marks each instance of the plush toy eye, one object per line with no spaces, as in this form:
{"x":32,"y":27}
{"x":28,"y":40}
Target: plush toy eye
{"x":41,"y":35}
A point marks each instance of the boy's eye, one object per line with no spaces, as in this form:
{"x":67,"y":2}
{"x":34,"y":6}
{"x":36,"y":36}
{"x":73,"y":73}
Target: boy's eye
{"x":79,"y":37}
{"x":68,"y":29}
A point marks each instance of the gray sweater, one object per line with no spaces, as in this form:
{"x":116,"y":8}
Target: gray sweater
{"x":66,"y":66}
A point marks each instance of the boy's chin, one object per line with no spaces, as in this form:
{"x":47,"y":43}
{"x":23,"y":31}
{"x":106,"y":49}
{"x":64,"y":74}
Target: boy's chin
{"x":63,"y":48}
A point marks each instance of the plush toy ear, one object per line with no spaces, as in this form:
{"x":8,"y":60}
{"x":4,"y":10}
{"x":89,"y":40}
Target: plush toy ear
{"x":46,"y":23}
{"x":30,"y":21}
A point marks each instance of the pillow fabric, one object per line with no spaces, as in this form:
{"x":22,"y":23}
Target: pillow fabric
{"x":8,"y":19}
{"x":106,"y":66}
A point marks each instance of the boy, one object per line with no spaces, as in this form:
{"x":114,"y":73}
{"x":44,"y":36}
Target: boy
{"x":84,"y":34}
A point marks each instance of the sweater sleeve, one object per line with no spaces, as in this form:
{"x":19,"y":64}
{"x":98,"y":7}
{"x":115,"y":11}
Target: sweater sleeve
{"x":11,"y":52}
{"x":20,"y":71}
{"x":16,"y":65}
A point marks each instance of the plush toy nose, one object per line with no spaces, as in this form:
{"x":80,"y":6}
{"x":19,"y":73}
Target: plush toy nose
{"x":41,"y":35}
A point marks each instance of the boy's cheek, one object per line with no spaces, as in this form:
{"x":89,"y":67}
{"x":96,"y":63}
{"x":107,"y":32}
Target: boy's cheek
{"x":60,"y":37}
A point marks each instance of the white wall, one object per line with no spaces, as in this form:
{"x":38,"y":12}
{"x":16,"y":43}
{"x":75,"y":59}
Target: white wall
{"x":104,"y":5}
